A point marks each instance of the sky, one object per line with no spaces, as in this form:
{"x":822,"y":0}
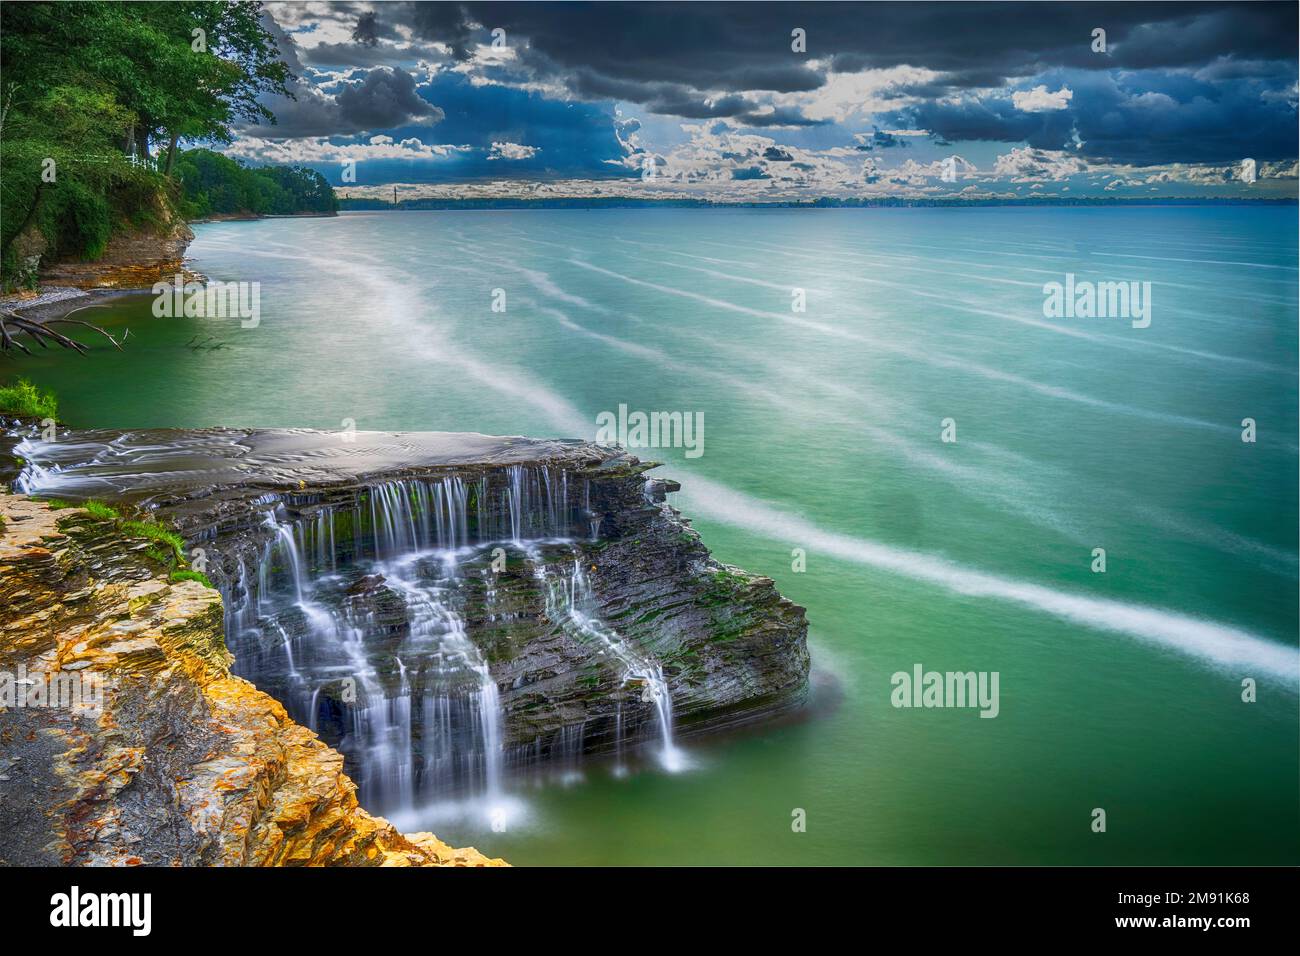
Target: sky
{"x":780,"y":102}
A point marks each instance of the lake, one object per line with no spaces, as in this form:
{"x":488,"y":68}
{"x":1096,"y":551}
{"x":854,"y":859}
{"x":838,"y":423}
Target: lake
{"x":895,"y":432}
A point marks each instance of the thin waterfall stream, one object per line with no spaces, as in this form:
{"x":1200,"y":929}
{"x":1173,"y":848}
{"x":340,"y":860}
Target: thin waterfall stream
{"x":571,"y":604}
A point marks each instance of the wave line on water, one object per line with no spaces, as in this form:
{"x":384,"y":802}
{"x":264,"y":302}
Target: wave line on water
{"x":1205,"y":640}
{"x":1219,"y":644}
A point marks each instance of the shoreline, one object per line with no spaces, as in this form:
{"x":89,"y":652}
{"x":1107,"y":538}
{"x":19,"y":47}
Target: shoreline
{"x":60,"y":301}
{"x":257,"y":217}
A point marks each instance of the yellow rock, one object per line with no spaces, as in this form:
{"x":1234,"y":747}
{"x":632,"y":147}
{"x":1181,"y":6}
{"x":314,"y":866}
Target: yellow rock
{"x":226,"y":764}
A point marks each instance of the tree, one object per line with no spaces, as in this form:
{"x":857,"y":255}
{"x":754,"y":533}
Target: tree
{"x":212,"y":183}
{"x":88,"y":86}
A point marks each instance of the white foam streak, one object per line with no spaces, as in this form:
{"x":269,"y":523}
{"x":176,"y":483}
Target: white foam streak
{"x":1218,"y":644}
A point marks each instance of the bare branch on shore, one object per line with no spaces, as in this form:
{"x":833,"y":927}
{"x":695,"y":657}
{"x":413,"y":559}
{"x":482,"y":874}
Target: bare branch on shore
{"x":11,"y":323}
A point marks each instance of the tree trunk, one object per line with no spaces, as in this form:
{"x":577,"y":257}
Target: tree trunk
{"x":171,"y":155}
{"x":28,"y":243}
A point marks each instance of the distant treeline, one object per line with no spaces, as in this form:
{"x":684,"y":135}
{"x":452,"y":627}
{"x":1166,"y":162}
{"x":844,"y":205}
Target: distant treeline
{"x":213,"y":184}
{"x":621,"y":202}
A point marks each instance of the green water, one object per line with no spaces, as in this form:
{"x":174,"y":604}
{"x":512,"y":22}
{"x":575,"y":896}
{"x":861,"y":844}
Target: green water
{"x":822,"y":432}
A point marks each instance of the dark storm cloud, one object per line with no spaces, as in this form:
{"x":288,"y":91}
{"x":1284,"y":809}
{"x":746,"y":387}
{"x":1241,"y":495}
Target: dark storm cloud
{"x":366,"y":32}
{"x":377,"y":100}
{"x":674,"y":99}
{"x":1146,"y":119}
{"x":698,"y":60}
{"x":727,"y":47}
{"x":329,"y":57}
{"x":1180,"y":81}
{"x":383,"y":99}
{"x":445,"y":23}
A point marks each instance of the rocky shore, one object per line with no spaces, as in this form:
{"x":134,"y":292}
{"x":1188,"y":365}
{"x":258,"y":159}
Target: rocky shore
{"x":56,"y":302}
{"x":451,"y":612}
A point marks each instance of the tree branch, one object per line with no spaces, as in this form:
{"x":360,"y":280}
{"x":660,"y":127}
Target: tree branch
{"x":38,"y":332}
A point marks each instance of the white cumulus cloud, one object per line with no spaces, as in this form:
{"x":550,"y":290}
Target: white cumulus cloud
{"x":1041,"y":100}
{"x":512,"y":151}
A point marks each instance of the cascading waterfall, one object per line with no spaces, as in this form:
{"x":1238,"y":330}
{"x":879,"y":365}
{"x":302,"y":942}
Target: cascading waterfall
{"x":362,"y":601}
{"x":354,"y":615}
{"x":571,"y":604}
{"x":33,"y":476}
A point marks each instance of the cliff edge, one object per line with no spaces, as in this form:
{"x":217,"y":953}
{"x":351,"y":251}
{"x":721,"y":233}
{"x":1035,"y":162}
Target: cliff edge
{"x":135,"y":745}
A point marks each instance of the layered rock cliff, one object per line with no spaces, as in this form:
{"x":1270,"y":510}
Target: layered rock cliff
{"x":147,"y":249}
{"x":136,"y":257}
{"x":157,"y":755}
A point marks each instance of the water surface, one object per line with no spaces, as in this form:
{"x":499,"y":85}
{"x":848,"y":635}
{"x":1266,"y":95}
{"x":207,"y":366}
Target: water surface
{"x":1119,"y":690}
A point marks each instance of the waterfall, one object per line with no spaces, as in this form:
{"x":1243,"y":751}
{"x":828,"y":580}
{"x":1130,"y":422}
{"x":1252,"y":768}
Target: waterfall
{"x":571,"y":604}
{"x":362,"y":603}
{"x":461,"y":707}
{"x":354,"y":616}
{"x":516,"y":499}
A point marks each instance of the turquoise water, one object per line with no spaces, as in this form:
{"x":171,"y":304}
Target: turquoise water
{"x":1119,"y":690}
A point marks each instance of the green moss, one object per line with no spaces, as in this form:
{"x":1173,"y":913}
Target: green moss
{"x":25,"y":399}
{"x":100,"y":511}
{"x":58,"y":504}
{"x":728,"y":579}
{"x":722,"y":588}
{"x":166,"y":547}
{"x":192,"y":576}
{"x":155,"y":532}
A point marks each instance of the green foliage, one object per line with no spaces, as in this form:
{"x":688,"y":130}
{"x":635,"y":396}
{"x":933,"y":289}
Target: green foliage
{"x":58,"y":504}
{"x":84,"y":222}
{"x":192,"y":576}
{"x":213,"y":184}
{"x":89,"y":86}
{"x":100,"y":511}
{"x":153,"y":531}
{"x":166,"y":546}
{"x":26,"y":400}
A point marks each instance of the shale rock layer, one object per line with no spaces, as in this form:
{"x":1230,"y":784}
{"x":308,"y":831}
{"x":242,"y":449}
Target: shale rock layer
{"x":160,"y":756}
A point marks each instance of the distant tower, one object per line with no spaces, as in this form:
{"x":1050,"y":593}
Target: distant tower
{"x":394,"y":197}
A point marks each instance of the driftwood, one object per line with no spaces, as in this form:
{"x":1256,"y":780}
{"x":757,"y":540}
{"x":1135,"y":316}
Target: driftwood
{"x":12,"y":324}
